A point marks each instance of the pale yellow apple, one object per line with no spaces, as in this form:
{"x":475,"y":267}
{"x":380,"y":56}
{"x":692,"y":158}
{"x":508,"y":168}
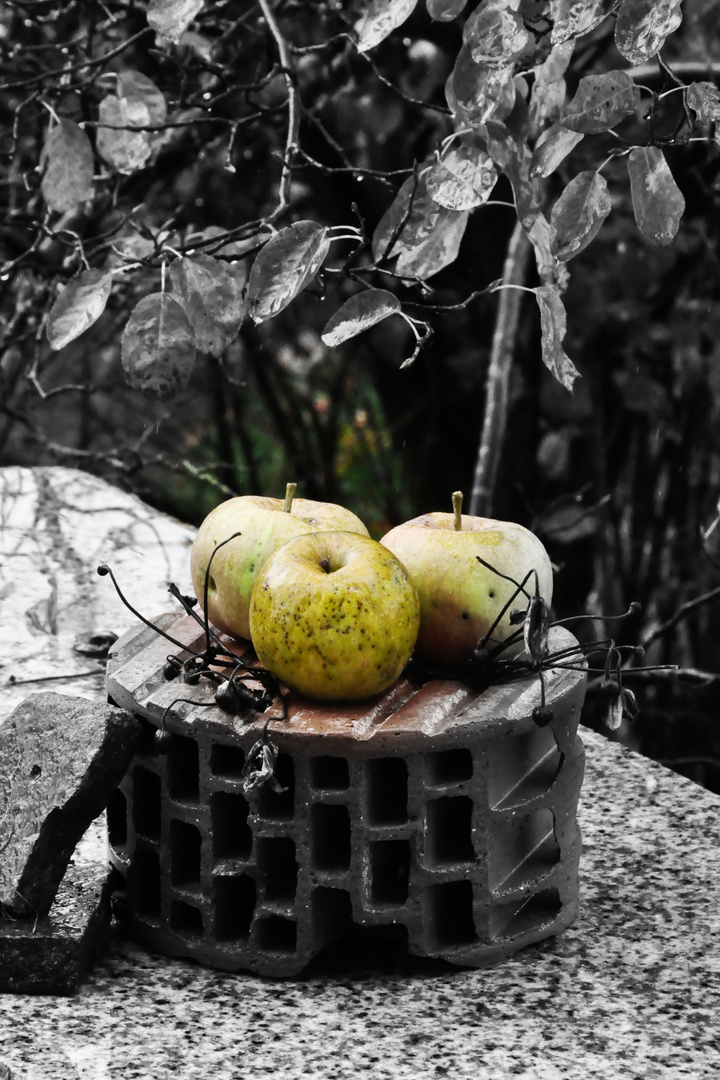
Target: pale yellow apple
{"x":265,"y":525}
{"x":459,"y":597}
{"x":334,"y":615}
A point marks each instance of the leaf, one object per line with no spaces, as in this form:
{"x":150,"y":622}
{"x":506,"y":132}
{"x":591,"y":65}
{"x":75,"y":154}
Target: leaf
{"x":513,"y":157}
{"x":67,"y":158}
{"x":552,"y":326}
{"x":158,"y":347}
{"x":643,"y":25}
{"x":126,"y":150}
{"x":478,"y":89}
{"x":430,"y":236}
{"x":445,"y":10}
{"x":601,"y":102}
{"x":657,"y":201}
{"x":495,"y":34}
{"x":359,"y":313}
{"x":171,"y":18}
{"x":578,"y":213}
{"x":79,"y":305}
{"x":380,"y":19}
{"x":136,"y":89}
{"x":704,"y":100}
{"x":549,"y":92}
{"x":285,"y":266}
{"x":572,"y":18}
{"x":211,"y":299}
{"x":552,"y":148}
{"x":463,"y":179}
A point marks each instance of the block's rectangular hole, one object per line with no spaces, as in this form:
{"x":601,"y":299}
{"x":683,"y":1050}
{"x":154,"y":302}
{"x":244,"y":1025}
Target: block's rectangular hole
{"x":521,"y":849}
{"x":449,"y":766}
{"x":185,"y":919}
{"x":279,"y":805}
{"x":330,"y":773}
{"x":389,"y":871}
{"x":386,"y":790}
{"x":522,"y":767}
{"x":276,"y":934}
{"x":512,"y":920}
{"x":449,"y":914}
{"x":185,"y":853}
{"x":235,"y":899}
{"x":231,"y":835}
{"x":117,"y":824}
{"x":330,"y":836}
{"x":227,"y":761}
{"x":144,"y":882}
{"x":448,"y":838}
{"x":146,"y":803}
{"x":277,"y":868}
{"x":183,"y":768}
{"x":331,"y":913}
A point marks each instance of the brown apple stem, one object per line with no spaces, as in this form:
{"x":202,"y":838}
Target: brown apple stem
{"x":290,"y":490}
{"x":457,"y":500}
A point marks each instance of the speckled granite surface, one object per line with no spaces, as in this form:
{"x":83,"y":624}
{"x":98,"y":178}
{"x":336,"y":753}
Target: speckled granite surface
{"x":631,"y":990}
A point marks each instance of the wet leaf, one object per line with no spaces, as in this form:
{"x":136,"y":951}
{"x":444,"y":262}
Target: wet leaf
{"x":579,"y":213}
{"x":122,"y":147}
{"x":380,"y":19}
{"x":572,"y":18}
{"x":513,"y":157}
{"x":479,"y":89}
{"x":552,"y":324}
{"x":78,"y":306}
{"x":601,"y":102}
{"x":657,"y":201}
{"x":552,"y":148}
{"x":158,"y":347}
{"x":445,"y":10}
{"x":171,"y":18}
{"x":430,"y":236}
{"x":549,"y":91}
{"x":67,"y":160}
{"x":704,"y":100}
{"x":285,"y":266}
{"x":643,"y":25}
{"x":463,"y":180}
{"x":211,"y":299}
{"x":359,"y":313}
{"x":495,"y":34}
{"x":135,"y":88}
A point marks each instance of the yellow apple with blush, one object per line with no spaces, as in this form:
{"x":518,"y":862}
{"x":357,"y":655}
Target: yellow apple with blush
{"x":460,"y":598}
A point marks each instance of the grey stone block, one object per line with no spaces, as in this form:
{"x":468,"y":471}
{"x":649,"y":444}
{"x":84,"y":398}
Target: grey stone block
{"x":52,"y":954}
{"x":60,"y":759}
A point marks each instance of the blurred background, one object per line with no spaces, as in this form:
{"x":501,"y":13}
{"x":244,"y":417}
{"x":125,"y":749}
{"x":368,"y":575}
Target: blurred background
{"x":620,"y":478}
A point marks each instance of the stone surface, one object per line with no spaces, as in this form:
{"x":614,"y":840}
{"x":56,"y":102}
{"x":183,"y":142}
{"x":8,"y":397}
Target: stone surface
{"x":631,"y":990}
{"x":52,"y":954}
{"x":56,"y":525}
{"x":60,"y":759}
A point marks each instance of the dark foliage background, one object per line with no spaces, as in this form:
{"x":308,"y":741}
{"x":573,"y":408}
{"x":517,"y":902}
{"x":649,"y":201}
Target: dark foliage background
{"x":620,"y":478}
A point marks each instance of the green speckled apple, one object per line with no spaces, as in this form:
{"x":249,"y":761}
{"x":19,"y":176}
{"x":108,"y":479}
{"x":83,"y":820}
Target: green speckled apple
{"x":334,"y":615}
{"x":459,"y":597}
{"x":265,"y":525}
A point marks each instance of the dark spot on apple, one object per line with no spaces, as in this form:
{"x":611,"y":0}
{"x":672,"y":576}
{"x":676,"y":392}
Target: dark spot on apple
{"x":252,"y":567}
{"x":212,"y":587}
{"x":465,"y":615}
{"x":491,"y":594}
{"x":325,"y":563}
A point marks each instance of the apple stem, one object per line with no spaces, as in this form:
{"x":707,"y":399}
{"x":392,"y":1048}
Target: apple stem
{"x":289,"y":496}
{"x":457,"y":499}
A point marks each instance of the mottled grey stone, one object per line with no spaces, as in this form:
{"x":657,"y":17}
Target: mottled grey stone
{"x":52,"y":954}
{"x":60,"y":759}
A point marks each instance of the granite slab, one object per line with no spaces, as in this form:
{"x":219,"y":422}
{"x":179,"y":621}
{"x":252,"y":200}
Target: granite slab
{"x":631,"y":990}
